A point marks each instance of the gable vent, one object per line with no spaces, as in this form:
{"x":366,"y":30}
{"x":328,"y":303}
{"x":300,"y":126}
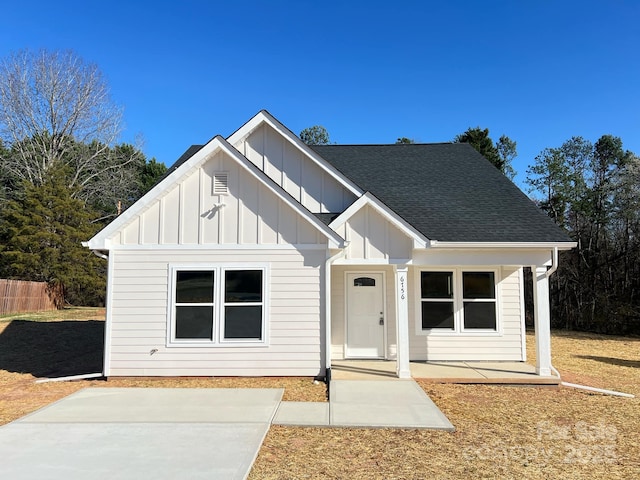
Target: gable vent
{"x":220,"y":183}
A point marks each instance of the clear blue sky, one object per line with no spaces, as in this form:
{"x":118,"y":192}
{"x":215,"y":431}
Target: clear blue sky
{"x":369,"y":71}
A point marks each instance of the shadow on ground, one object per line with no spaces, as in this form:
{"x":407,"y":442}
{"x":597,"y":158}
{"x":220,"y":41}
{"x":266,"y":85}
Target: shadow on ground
{"x":612,"y":361}
{"x":52,"y":349}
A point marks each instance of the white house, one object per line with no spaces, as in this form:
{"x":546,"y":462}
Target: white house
{"x":258,"y":255}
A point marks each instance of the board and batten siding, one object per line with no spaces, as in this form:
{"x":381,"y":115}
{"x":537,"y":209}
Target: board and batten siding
{"x":294,"y":171}
{"x":460,"y":347}
{"x":373,"y":237}
{"x":140,"y":305}
{"x":190,"y":214}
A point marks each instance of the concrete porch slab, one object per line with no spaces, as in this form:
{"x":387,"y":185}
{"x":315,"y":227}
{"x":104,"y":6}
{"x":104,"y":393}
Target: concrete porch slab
{"x":444,"y":372}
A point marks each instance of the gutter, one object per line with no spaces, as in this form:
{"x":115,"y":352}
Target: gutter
{"x":501,"y":245}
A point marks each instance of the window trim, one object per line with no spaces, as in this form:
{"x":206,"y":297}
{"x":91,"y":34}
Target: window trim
{"x":219,"y":304}
{"x":451,"y":300}
{"x":458,"y":303}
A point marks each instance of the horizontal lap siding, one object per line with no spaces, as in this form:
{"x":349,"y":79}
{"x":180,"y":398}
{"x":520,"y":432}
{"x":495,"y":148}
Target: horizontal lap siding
{"x":460,"y":347}
{"x":139,"y":317}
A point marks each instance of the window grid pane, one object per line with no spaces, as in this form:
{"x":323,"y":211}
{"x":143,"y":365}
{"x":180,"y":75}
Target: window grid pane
{"x":194,"y":286}
{"x":243,"y":322}
{"x":437,"y":315}
{"x":436,"y":285}
{"x":194,"y":322}
{"x":480,"y":315}
{"x":478,"y":285}
{"x":243,"y":286}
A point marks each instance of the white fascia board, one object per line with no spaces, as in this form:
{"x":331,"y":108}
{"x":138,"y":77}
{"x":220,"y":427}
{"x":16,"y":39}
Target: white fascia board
{"x":265,"y":117}
{"x":99,"y":241}
{"x":500,"y":245}
{"x":419,"y":240}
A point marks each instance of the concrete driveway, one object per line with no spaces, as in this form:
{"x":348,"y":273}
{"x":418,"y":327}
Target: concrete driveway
{"x":159,"y":433}
{"x":190,"y":433}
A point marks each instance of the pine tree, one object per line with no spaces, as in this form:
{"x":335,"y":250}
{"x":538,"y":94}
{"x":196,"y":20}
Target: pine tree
{"x":41,"y":234}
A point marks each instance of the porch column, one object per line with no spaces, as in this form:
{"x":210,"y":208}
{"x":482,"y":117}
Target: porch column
{"x":402,"y":323}
{"x":542,"y":319}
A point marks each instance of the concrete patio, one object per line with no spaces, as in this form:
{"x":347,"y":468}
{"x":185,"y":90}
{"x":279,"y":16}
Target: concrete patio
{"x":510,"y":373}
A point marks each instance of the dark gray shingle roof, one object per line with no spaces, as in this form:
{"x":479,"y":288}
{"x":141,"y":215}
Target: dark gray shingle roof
{"x":449,"y":192}
{"x":326,"y":218}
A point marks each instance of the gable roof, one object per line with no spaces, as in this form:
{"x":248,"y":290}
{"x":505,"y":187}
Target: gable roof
{"x":448,"y":192}
{"x":369,"y":199}
{"x":263,"y":117}
{"x":195,"y":156}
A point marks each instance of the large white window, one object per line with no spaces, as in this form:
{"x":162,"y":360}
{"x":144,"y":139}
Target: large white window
{"x":458,"y":300}
{"x":217,"y":305}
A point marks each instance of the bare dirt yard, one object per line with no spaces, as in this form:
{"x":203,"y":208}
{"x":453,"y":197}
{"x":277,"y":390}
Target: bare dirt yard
{"x":501,"y":431}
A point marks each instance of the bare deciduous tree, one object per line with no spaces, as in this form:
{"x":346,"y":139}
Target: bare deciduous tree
{"x":56,"y":109}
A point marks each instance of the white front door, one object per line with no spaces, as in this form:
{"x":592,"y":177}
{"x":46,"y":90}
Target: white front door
{"x":365,"y":315}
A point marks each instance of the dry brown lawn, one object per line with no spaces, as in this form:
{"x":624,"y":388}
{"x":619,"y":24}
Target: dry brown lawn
{"x":501,"y":431}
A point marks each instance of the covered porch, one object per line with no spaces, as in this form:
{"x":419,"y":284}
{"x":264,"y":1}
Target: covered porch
{"x":388,"y":340}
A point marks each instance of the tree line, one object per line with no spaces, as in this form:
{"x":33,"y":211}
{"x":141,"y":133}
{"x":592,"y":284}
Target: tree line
{"x":63,"y":174}
{"x":592,"y":191}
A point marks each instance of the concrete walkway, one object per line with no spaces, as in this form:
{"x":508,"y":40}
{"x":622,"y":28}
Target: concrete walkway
{"x":367,"y":404}
{"x":194,"y":433}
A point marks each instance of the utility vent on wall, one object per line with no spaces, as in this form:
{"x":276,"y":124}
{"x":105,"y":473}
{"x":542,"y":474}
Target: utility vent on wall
{"x":220,"y":183}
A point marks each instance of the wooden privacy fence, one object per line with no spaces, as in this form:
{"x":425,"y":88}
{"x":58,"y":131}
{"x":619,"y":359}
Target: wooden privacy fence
{"x":19,"y":296}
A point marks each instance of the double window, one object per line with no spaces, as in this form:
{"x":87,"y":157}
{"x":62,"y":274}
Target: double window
{"x":217,"y":305}
{"x":455,"y":301}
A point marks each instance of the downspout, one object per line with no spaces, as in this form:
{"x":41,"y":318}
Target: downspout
{"x":107,"y":323}
{"x":554,"y":267}
{"x":554,"y":264}
{"x":86,"y":376}
{"x":327,"y":315}
{"x":100,"y":255}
